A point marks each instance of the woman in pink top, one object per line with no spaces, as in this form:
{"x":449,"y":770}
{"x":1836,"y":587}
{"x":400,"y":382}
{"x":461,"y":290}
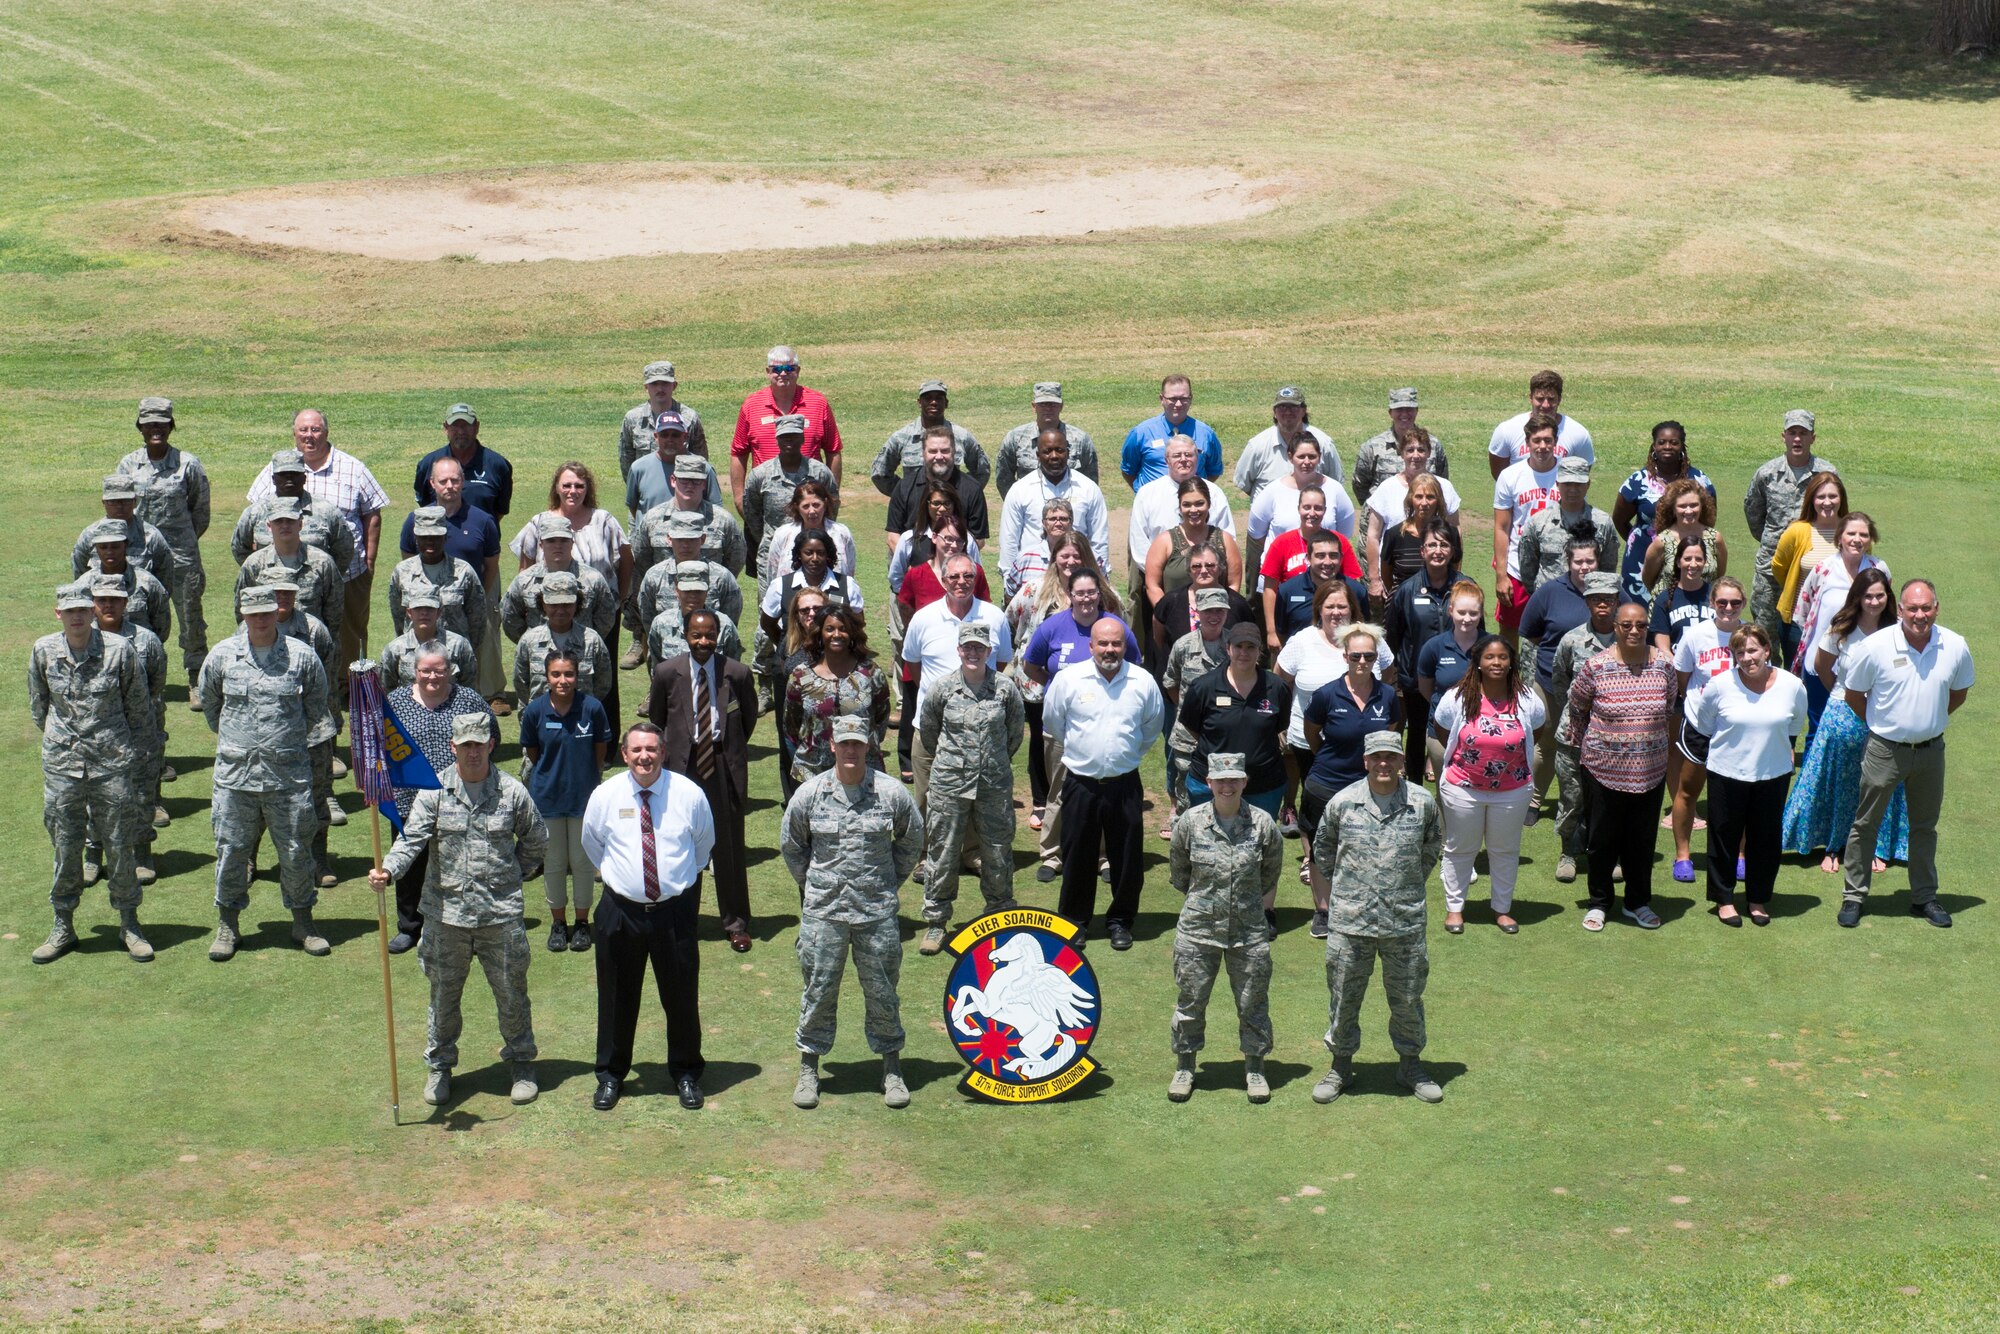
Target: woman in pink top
{"x":1487,"y":723}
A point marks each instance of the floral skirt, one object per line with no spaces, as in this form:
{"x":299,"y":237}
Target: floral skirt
{"x":1828,"y":789}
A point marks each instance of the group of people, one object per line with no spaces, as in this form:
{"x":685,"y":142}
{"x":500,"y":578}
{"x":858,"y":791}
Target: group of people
{"x":1307,"y":682}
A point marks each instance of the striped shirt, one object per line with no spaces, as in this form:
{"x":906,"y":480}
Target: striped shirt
{"x":344,"y":483}
{"x":1622,"y":719}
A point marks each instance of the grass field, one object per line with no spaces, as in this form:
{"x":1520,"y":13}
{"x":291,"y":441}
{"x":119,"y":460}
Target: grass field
{"x":1712,"y":210}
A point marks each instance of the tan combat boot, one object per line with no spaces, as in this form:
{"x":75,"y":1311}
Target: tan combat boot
{"x":223,"y":948}
{"x":134,"y":936}
{"x":307,"y":934}
{"x":62,"y":939}
{"x":1181,"y":1087}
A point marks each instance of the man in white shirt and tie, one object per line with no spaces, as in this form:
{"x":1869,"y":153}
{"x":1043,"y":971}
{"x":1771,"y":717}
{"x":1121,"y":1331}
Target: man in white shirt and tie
{"x":1111,"y":712}
{"x":649,"y":833}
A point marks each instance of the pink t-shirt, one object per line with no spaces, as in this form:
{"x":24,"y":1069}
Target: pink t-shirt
{"x":1492,"y":753}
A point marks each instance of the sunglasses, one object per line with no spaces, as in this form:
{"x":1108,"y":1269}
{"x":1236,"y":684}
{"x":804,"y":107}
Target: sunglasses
{"x":783,"y":370}
{"x":1361,"y":657}
{"x":1727,"y":604}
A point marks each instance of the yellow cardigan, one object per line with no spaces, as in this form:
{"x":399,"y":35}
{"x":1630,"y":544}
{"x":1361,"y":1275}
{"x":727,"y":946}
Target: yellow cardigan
{"x":1791,"y":562}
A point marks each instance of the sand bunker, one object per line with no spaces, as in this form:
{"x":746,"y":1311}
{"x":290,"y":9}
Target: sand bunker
{"x":522,"y":219}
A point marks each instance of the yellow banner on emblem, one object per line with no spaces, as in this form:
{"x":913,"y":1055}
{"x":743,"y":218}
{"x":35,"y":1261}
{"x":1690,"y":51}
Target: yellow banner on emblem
{"x":988,"y":925}
{"x":988,"y":1087}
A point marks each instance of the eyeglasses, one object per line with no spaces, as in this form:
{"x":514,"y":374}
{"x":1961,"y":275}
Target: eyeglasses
{"x":958,"y":578}
{"x":784,"y":370}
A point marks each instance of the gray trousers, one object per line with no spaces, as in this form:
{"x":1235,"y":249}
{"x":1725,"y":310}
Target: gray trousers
{"x":1406,"y":966}
{"x":1920,"y":769}
{"x":239,"y":819}
{"x":101,"y":807}
{"x":1195,"y":969}
{"x":190,"y":582}
{"x":446,"y":953}
{"x":1764,"y":601}
{"x":878,"y":962}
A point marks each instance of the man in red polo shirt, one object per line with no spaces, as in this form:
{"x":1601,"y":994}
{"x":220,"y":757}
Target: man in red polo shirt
{"x":756,"y":422}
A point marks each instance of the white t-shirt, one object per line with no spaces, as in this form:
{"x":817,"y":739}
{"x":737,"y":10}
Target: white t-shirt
{"x":1841,"y":649}
{"x":1510,"y":439}
{"x":1275,"y":511}
{"x":1157,"y":507}
{"x":1526,"y":492}
{"x":1703,"y":655}
{"x":1311,"y":662}
{"x":931,"y":638}
{"x":1389,"y":494}
{"x":1750,"y":735}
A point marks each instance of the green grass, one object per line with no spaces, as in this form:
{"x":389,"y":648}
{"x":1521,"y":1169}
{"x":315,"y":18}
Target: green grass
{"x":1483,"y":188}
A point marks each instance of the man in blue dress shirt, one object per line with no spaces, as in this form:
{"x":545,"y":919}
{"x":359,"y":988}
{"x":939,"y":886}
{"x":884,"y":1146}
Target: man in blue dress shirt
{"x":1145,"y":454}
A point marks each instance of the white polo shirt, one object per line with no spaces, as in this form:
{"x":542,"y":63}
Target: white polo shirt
{"x":1908,"y":691}
{"x":931,"y":640}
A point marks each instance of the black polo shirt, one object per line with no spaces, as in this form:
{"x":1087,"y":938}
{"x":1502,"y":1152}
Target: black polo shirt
{"x":1252,"y":725}
{"x":905,"y":502}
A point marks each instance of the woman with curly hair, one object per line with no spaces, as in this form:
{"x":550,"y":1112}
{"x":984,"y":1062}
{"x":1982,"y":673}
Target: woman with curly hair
{"x":1686,"y":514}
{"x":838,"y":676}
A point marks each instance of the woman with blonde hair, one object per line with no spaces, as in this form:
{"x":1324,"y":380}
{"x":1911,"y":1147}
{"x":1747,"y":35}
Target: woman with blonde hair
{"x":600,"y":543}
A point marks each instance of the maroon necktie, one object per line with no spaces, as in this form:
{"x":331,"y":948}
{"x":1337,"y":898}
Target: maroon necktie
{"x":646,"y":844}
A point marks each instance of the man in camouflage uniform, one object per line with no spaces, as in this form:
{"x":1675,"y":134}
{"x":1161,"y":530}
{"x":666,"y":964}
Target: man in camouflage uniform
{"x":1019,"y":456}
{"x":399,"y":657}
{"x":852,"y":835}
{"x":1381,"y":456}
{"x":320,"y":524}
{"x":656,"y":590}
{"x":722,"y":542}
{"x":635,"y":433}
{"x":1226,"y":857}
{"x":87,"y":697}
{"x":461,"y":594}
{"x":308,"y":629}
{"x":903,"y":452}
{"x":485,"y":837}
{"x":972,"y":723}
{"x":148,"y":601}
{"x":173,"y":496}
{"x":1771,"y":504}
{"x":260,"y":693}
{"x":667,"y":636}
{"x":1378,"y":843}
{"x":1195,"y":654}
{"x":560,"y":629}
{"x":109,"y":598}
{"x":597,"y":606}
{"x":318,"y":578}
{"x":145,"y":545}
{"x":1580,"y":645}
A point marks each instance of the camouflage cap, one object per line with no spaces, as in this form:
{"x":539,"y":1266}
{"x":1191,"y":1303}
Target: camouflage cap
{"x":792,"y":423}
{"x":1289,"y":394}
{"x":683,"y":525}
{"x":658,"y":372}
{"x":691,"y":574}
{"x":1243,"y":632}
{"x":851,"y":727}
{"x":1226,"y":764}
{"x":460,"y":412}
{"x":74,"y":597}
{"x":549,"y":524}
{"x":1048,"y":391}
{"x":428,"y":521}
{"x":1375,"y":743}
{"x":105,"y":531}
{"x":283,"y":507}
{"x":109,"y":586}
{"x":288,"y":460}
{"x":931,"y":387}
{"x":256,"y":598}
{"x":118,"y":486}
{"x":1211,"y":599}
{"x":470,"y":727}
{"x":691,"y":465}
{"x":560,"y":586}
{"x":424,"y":597}
{"x":1571,"y":468}
{"x":670,"y":421}
{"x":155,"y":409}
{"x":1600,"y":584}
{"x":278,"y":579}
{"x":1403,"y":398}
{"x":975,"y":632}
{"x":1799,"y":417}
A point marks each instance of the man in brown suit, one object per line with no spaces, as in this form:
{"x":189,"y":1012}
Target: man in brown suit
{"x":707,"y":706}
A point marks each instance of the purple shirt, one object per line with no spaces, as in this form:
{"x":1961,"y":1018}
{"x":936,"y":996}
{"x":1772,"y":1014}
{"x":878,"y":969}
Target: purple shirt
{"x":1059,"y":641}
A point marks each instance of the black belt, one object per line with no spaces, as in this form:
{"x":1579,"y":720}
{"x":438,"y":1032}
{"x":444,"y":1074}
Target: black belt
{"x":1910,"y":745}
{"x":651,"y":905}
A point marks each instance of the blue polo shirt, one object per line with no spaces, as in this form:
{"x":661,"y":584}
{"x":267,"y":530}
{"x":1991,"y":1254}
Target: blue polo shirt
{"x":1295,"y":602}
{"x":471,"y":535}
{"x":1059,"y":641}
{"x":1145,"y":454}
{"x":1343,"y":726}
{"x":565,"y":773}
{"x":1556,"y":609}
{"x":489,"y":480}
{"x":1442,"y":660}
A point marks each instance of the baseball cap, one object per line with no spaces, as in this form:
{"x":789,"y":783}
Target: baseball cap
{"x":1799,"y":417}
{"x":975,"y":632}
{"x":109,"y":586}
{"x":1375,"y":743}
{"x":1403,"y":398}
{"x":549,"y":524}
{"x":257,"y":598}
{"x":460,"y":412}
{"x":691,"y":465}
{"x":73,"y":596}
{"x":1289,"y":394}
{"x":931,"y":387}
{"x":851,"y":727}
{"x":1226,"y":764}
{"x":119,"y":487}
{"x":107,"y":530}
{"x":560,"y":586}
{"x":278,"y":579}
{"x":154,"y":409}
{"x":792,"y":423}
{"x":657,"y":371}
{"x":470,"y":727}
{"x":1570,"y":468}
{"x":1243,"y":633}
{"x":1600,"y":584}
{"x":682,"y":524}
{"x":1211,"y":599}
{"x":670,"y":421}
{"x":287,"y":460}
{"x":428,"y":521}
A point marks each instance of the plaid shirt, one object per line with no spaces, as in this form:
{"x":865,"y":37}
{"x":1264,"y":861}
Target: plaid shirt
{"x":344,"y":483}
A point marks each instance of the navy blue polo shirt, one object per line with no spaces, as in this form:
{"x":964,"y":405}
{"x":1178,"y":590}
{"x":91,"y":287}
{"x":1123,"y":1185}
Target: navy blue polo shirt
{"x":1556,"y":608}
{"x":471,"y":535}
{"x":1343,"y":725}
{"x":565,"y":773}
{"x":489,"y":480}
{"x":1295,"y":602}
{"x":1443,"y":661}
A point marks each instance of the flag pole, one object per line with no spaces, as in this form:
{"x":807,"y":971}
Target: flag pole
{"x":382,"y":941}
{"x":364,"y":719}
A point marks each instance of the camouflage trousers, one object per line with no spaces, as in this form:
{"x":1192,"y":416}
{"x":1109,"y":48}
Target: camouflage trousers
{"x":1764,"y":603}
{"x":1195,"y":969}
{"x":102,"y":808}
{"x":239,"y":820}
{"x":1406,"y":964}
{"x":989,"y":816}
{"x":878,"y":962}
{"x":189,"y":583}
{"x":321,"y":756}
{"x":446,"y":953}
{"x":1180,"y":753}
{"x":1569,"y":799}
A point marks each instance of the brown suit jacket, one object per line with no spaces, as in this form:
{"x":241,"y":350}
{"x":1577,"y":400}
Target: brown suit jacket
{"x":671,"y":705}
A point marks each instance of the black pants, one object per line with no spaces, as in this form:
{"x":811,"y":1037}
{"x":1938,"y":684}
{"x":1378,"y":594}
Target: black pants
{"x":1624,"y":826}
{"x":410,"y":894}
{"x":732,"y":882}
{"x":1751,"y":815}
{"x":906,"y":731}
{"x":1106,"y":813}
{"x":628,"y":934}
{"x":1416,"y":734}
{"x":1038,"y":759}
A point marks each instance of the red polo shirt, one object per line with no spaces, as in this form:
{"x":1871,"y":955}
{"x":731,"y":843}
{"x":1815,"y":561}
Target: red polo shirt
{"x":757,"y":419}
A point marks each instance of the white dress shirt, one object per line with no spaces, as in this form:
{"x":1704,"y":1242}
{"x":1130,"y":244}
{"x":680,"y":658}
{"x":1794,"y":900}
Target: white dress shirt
{"x":1021,"y":514}
{"x":683,"y":834}
{"x":1157,"y":507}
{"x":1909,"y":692}
{"x":1750,"y":735}
{"x":1106,"y":726}
{"x":696,"y":670}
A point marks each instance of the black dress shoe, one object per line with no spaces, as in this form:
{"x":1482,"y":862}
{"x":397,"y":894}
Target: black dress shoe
{"x":606,"y":1097}
{"x":1850,"y":913}
{"x":402,"y":943}
{"x":1121,"y":939}
{"x":690,"y":1091}
{"x":1932,"y":912}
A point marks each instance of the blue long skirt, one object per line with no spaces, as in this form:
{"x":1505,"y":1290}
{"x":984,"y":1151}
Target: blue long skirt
{"x":1827,"y":790}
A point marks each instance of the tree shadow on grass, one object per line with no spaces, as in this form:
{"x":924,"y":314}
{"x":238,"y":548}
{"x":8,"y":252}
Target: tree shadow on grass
{"x":1870,"y":48}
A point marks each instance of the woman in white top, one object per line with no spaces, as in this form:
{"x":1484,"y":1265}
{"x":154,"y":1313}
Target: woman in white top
{"x":1702,"y":654}
{"x":1275,"y":511}
{"x":1388,"y":503}
{"x":1823,"y":591}
{"x":1752,"y":715}
{"x":600,"y":544}
{"x":811,"y":506}
{"x":1310,"y":659}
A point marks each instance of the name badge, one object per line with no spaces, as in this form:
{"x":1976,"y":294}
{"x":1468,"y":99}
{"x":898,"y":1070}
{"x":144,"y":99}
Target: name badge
{"x":628,"y":813}
{"x":766,"y":420}
{"x":730,"y":707}
{"x":1422,"y":600}
{"x":1901,"y":662}
{"x":1223,"y":702}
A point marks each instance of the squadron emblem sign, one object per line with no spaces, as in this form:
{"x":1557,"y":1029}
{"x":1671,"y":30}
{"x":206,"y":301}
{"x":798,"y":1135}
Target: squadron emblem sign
{"x":1023,"y":1005}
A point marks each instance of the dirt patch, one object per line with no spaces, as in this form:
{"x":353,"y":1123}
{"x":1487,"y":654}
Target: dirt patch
{"x":581,"y":219}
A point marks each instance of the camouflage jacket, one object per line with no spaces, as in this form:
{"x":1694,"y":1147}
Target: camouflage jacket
{"x":1378,"y":863}
{"x":656,"y":590}
{"x":322,"y":592}
{"x":145,"y":546}
{"x":173,"y":494}
{"x":320,"y":527}
{"x":311,"y":631}
{"x":461,"y":595}
{"x":903,"y":453}
{"x":972,"y":733}
{"x":93,"y":712}
{"x":1225,"y":867}
{"x":398,"y":658}
{"x":850,"y":849}
{"x":597,"y":606}
{"x":723,"y":542}
{"x":484,"y":840}
{"x":595,"y":672}
{"x":1015,"y":458}
{"x":262,"y":711}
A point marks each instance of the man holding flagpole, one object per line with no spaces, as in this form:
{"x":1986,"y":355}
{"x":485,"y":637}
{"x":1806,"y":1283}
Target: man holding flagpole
{"x":417,"y":728}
